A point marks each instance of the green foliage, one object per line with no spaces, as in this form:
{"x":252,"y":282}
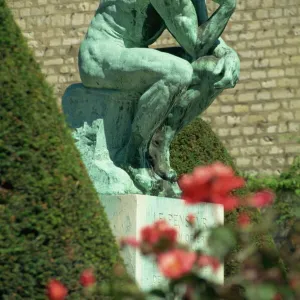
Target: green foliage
{"x":287,"y":189}
{"x":221,"y":241}
{"x":286,"y":206}
{"x":197,"y":145}
{"x":51,"y":223}
{"x":261,"y":291}
{"x":288,"y":181}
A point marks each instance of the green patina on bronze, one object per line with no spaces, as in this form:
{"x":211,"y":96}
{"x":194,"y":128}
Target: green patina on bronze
{"x":171,"y":90}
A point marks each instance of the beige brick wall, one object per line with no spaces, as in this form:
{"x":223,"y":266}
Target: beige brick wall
{"x":54,"y":29}
{"x":258,"y":121}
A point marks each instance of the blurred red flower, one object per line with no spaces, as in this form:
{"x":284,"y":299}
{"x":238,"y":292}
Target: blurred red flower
{"x":277,"y":297}
{"x":87,"y":278}
{"x":160,"y":231}
{"x":208,"y":261}
{"x":191,"y":219}
{"x":56,"y":290}
{"x":212,"y":184}
{"x":129,"y":241}
{"x":262,"y":199}
{"x":175,"y":263}
{"x":244,"y":220}
{"x":295,"y":282}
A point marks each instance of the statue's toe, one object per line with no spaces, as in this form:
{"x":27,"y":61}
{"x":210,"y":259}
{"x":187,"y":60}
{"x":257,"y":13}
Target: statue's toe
{"x":172,"y":175}
{"x":169,"y":175}
{"x":144,"y":181}
{"x":171,"y":190}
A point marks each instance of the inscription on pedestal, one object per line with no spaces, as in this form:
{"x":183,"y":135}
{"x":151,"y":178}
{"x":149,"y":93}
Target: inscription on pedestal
{"x":129,"y":213}
{"x":179,"y":221}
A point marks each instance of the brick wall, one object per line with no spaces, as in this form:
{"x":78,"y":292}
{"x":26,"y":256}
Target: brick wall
{"x":258,"y":121}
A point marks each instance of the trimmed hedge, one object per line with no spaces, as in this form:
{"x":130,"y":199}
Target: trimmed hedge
{"x":51,"y":221}
{"x":197,"y":145}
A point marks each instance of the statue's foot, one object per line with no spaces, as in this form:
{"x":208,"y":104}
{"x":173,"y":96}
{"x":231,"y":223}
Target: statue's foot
{"x":171,"y":190}
{"x":145,"y":181}
{"x":140,"y":171}
{"x":161,"y":163}
{"x":165,"y":172}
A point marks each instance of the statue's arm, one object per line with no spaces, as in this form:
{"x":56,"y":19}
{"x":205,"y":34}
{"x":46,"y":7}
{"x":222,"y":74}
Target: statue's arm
{"x":181,"y":19}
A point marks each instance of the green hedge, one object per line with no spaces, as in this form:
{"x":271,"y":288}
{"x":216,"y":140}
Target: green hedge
{"x":51,"y":222}
{"x":287,"y":189}
{"x":197,"y":145}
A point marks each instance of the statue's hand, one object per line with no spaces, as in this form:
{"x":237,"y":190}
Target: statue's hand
{"x":229,"y":67}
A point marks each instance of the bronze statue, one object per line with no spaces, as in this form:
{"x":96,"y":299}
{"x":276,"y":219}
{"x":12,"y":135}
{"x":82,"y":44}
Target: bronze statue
{"x":174,"y":85}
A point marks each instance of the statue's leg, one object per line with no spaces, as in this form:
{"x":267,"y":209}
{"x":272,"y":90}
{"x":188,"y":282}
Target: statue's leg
{"x":153,"y":107}
{"x":157,"y":76}
{"x":191,"y":104}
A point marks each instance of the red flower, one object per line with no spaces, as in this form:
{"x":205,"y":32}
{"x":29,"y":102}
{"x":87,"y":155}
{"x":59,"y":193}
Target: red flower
{"x":229,"y":202}
{"x":191,"y":219}
{"x":211,"y":184}
{"x":129,"y":241}
{"x":56,"y":290}
{"x":243,"y":220}
{"x":158,"y":237}
{"x":175,"y":263}
{"x":262,"y":198}
{"x":159,"y":232}
{"x":295,"y":282}
{"x":206,"y":260}
{"x":87,"y":278}
{"x":277,"y":297}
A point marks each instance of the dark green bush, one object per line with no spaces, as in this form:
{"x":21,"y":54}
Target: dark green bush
{"x":197,"y":145}
{"x":51,"y":221}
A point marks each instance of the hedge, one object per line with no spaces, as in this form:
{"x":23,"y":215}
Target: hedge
{"x":286,"y":206}
{"x":51,"y":221}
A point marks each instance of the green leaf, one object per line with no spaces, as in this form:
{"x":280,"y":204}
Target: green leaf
{"x":261,"y":292}
{"x":296,"y":212}
{"x":221,"y":241}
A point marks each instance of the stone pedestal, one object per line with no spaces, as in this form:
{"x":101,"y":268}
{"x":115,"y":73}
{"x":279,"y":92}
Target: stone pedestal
{"x":129,"y":213}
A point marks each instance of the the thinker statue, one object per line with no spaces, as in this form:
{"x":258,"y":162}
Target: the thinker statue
{"x":174,"y":87}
